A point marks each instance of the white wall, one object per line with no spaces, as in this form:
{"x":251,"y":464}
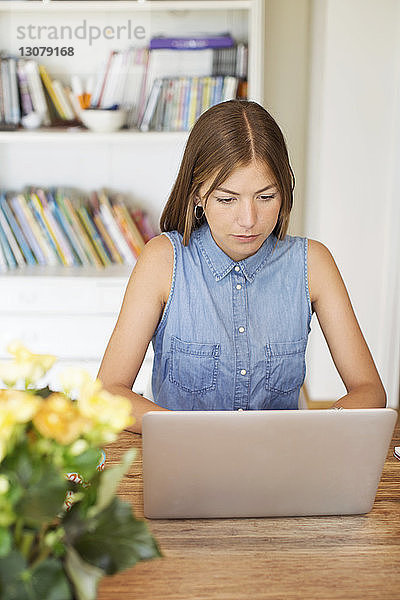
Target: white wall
{"x":287,"y":40}
{"x":352,"y":173}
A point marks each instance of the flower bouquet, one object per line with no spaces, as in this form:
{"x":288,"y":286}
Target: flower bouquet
{"x":62,"y":528}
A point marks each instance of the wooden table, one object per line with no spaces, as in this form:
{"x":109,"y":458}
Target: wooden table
{"x":350,"y":557}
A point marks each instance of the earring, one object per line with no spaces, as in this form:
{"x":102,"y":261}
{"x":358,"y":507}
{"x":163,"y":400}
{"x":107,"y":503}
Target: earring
{"x":198,"y":216}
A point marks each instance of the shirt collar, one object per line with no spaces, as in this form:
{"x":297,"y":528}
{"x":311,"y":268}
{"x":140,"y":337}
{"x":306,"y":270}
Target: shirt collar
{"x":221,"y":264}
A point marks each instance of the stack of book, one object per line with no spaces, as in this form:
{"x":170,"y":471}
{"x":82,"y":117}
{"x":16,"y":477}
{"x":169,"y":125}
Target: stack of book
{"x":61,"y":227}
{"x":165,"y":86}
{"x":26,"y":87}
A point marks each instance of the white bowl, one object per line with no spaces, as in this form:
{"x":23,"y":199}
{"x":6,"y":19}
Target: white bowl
{"x":103,"y":121}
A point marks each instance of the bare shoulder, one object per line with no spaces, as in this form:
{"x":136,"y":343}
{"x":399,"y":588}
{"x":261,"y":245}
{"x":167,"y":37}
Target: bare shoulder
{"x":154,"y":266}
{"x":322,"y":270}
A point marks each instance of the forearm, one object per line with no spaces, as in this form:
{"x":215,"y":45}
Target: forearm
{"x":364,"y":396}
{"x":140,"y":405}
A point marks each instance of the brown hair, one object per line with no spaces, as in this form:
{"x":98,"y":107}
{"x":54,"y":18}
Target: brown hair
{"x":226,"y":136}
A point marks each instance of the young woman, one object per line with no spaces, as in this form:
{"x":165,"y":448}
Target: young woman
{"x":225,"y":296}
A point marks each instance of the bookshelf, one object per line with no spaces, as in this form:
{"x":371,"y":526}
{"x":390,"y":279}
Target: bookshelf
{"x":71,"y":311}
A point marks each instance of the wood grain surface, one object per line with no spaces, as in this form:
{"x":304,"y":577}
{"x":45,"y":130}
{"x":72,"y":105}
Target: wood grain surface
{"x":349,"y":557}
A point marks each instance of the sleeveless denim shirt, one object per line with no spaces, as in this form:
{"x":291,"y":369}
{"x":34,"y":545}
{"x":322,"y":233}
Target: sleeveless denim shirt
{"x":233,"y":335}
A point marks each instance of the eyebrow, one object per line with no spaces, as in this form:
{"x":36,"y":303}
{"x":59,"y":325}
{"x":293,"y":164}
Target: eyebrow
{"x":268,"y":187}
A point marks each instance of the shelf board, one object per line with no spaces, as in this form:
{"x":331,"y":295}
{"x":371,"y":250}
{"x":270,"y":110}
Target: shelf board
{"x":115,"y":271}
{"x":122,"y":5}
{"x":76,"y":134}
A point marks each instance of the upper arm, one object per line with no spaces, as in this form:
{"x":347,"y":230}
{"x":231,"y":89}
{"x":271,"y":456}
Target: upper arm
{"x":338,"y":322}
{"x":142,"y":307}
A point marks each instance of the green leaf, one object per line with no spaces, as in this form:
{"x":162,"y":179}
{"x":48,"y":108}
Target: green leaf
{"x":115,"y":540}
{"x":12,"y":584}
{"x":109,"y":481}
{"x":5,"y":541}
{"x":49,"y":581}
{"x":43,"y":392}
{"x":84,"y":464}
{"x":84,"y":577}
{"x":44,"y":497}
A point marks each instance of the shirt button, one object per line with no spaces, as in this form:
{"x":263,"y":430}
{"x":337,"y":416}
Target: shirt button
{"x":237,"y":268}
{"x":243,"y":372}
{"x":238,"y":287}
{"x":241,"y":329}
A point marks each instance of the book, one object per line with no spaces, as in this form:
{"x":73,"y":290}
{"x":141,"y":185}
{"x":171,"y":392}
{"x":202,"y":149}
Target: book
{"x":7,"y":252}
{"x":56,"y":233}
{"x":81,"y":233}
{"x":105,"y":236}
{"x":142,"y":222}
{"x":76,"y":241}
{"x":63,"y":100}
{"x":36,"y":90}
{"x":26,"y":100}
{"x":114,"y":230}
{"x":14,"y":97}
{"x":151,"y":105}
{"x":5,"y":84}
{"x":192,"y":42}
{"x":129,"y":224}
{"x":54,"y":257}
{"x":50,"y":91}
{"x":12,"y":242}
{"x":17,"y":231}
{"x":19,"y":207}
{"x":94,"y":236}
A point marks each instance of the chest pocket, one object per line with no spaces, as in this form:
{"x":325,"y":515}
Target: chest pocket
{"x":193,"y":366}
{"x":285,"y":365}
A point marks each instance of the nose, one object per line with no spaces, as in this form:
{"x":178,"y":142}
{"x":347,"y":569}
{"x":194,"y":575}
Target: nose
{"x":247,"y":214}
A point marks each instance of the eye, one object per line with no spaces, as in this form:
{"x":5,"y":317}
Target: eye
{"x":225,"y":200}
{"x":266,"y":198}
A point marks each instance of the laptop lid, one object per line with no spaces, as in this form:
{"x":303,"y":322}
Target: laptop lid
{"x":263,"y":463}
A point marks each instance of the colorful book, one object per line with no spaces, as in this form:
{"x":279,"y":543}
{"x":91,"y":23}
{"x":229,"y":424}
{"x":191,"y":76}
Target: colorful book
{"x":114,"y":230}
{"x":19,"y":208}
{"x":17,"y":231}
{"x":56,"y":228}
{"x":80,"y":231}
{"x":7,"y":252}
{"x":142,"y":222}
{"x":94,"y":236}
{"x":12,"y":242}
{"x":131,"y":232}
{"x":37,"y":210}
{"x":75,"y":241}
{"x":106,"y":238}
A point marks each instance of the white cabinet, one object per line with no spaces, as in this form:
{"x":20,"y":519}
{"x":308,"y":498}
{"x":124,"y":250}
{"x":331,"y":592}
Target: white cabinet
{"x":71,"y":313}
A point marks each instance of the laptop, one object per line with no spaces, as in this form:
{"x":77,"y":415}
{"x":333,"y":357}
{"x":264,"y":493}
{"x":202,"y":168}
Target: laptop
{"x":263,"y":463}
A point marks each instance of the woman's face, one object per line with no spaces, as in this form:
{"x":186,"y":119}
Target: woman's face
{"x":243,"y":211}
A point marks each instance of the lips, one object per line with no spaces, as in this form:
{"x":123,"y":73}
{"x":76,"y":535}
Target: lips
{"x":245,"y":237}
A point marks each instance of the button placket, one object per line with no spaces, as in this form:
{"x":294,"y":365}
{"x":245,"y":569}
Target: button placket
{"x":241,"y":342}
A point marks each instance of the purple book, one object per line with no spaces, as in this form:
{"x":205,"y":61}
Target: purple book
{"x":194,"y":42}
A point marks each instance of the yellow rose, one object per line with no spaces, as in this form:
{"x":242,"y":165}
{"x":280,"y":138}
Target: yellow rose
{"x":59,"y":419}
{"x":112,"y":412}
{"x":26,"y":365}
{"x":18,"y":406}
{"x":73,"y":378}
